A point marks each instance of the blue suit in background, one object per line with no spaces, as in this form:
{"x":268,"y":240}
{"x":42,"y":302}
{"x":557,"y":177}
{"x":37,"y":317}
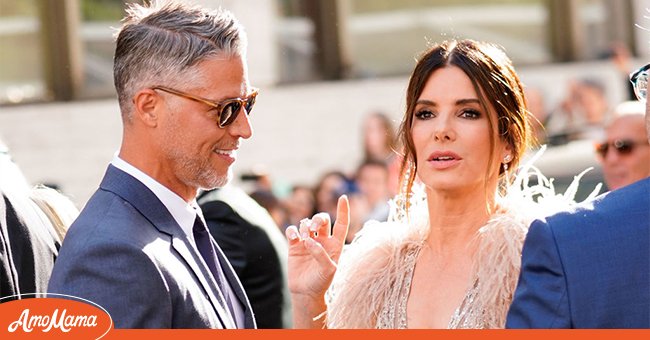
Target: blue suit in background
{"x":589,"y":268}
{"x":126,"y":253}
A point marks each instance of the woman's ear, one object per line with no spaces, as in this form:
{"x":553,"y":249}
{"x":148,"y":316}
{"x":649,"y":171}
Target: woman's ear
{"x":146,"y":104}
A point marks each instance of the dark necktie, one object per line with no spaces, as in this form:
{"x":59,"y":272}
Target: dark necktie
{"x":204,"y":245}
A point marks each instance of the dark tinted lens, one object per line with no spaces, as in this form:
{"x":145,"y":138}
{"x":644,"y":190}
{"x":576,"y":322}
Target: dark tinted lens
{"x":229,"y":113}
{"x":249,"y":105}
{"x":623,"y":146}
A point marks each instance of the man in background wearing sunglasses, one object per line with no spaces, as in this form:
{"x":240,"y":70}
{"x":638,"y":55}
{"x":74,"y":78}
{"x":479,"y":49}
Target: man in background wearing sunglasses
{"x":140,"y":248}
{"x":625,"y":153}
{"x":590,"y":268}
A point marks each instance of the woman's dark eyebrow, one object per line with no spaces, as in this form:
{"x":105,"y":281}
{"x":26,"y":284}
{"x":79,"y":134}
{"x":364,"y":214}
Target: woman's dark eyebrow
{"x":467,"y":101}
{"x":458,"y":102}
{"x":425,"y":102}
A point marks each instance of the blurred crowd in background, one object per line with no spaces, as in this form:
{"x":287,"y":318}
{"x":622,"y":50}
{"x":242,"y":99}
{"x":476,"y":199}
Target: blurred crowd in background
{"x":369,"y":188}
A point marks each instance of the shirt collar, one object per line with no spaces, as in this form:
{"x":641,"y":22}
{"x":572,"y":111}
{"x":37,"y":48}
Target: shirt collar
{"x":183,"y":213}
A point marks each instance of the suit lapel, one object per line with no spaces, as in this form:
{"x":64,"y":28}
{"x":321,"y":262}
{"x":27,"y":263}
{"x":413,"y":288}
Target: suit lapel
{"x":143,"y":200}
{"x":235,"y":284}
{"x":206,"y":279}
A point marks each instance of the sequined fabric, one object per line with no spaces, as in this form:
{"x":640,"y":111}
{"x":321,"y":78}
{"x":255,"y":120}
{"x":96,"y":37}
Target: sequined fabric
{"x":393,"y":315}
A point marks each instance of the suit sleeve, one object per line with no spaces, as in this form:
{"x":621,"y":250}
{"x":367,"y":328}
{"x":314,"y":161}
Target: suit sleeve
{"x":540,"y":300}
{"x":8,"y":276}
{"x":101,"y":272}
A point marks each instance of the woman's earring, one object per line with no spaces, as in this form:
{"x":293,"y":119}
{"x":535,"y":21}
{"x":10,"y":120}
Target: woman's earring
{"x":506,"y":161}
{"x":401,"y":200}
{"x":407,"y":175}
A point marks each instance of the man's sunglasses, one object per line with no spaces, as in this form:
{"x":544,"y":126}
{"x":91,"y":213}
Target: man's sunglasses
{"x":226,"y":110}
{"x":622,"y":146}
{"x":639,"y":79}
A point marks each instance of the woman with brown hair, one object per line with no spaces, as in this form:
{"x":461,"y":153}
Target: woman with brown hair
{"x":449,"y":255}
{"x":379,"y":146}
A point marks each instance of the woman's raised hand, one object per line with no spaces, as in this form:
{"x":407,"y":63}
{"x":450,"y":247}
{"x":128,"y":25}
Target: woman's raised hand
{"x":314,"y":252}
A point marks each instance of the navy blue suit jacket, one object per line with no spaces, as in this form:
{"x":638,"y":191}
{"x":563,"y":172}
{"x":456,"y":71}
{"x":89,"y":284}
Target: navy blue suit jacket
{"x":589,"y":268}
{"x":126,"y":253}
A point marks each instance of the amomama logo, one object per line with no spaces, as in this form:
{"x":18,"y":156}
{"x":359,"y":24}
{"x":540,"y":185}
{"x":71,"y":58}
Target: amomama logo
{"x":53,"y":317}
{"x":46,"y":322}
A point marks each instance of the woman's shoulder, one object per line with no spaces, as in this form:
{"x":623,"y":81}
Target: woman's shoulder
{"x":507,"y":222}
{"x":369,"y":272}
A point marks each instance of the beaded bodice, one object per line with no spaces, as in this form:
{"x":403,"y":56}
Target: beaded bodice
{"x":393,"y":314}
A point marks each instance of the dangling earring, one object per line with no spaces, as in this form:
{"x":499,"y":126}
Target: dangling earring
{"x":407,"y":176}
{"x":506,"y":160}
{"x":401,"y":200}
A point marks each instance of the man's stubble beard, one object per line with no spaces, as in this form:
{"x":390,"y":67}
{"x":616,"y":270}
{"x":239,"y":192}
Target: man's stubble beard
{"x":192,"y":169}
{"x":199,"y":173}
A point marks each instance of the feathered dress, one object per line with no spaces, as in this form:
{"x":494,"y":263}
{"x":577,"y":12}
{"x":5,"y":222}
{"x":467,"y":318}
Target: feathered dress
{"x":373,"y":280}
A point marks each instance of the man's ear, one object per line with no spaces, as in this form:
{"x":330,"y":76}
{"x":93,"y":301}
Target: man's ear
{"x":146,"y":104}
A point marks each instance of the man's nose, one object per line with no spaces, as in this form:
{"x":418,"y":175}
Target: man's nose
{"x":241,"y":127}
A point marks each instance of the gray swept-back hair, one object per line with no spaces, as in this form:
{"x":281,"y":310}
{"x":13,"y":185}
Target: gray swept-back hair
{"x":159,"y":41}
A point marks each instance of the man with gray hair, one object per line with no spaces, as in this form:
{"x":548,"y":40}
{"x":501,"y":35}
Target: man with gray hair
{"x":140,"y":248}
{"x":625,"y":152}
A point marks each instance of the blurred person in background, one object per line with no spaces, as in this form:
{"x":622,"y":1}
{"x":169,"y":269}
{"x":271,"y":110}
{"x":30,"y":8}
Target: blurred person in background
{"x":379,"y":145}
{"x":33,"y":224}
{"x":449,"y":256}
{"x":329,"y":187}
{"x":581,"y":114}
{"x":535,"y":101}
{"x":619,"y":54}
{"x":625,"y":152}
{"x":590,"y":267}
{"x":140,"y":247}
{"x":300,"y":204}
{"x":372,"y":181}
{"x":259,"y":178}
{"x":273,"y":206}
{"x":256,"y":249}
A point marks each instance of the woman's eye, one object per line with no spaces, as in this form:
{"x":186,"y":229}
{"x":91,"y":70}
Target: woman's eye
{"x":424,"y":114}
{"x":470,"y":114}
